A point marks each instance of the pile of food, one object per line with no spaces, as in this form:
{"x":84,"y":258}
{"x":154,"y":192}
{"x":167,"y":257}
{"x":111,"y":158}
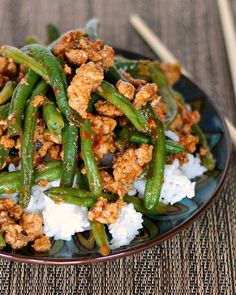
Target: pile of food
{"x":90,"y":143}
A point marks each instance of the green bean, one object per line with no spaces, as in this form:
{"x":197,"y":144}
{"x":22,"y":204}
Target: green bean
{"x":27,"y":151}
{"x":139,"y":206}
{"x":32,"y":40}
{"x":155,"y":173}
{"x":70,"y":144}
{"x":84,"y":202}
{"x":19,"y":57}
{"x":92,"y":27}
{"x":10,"y":182}
{"x":172,"y":147}
{"x":94,"y":98}
{"x":56,"y":78}
{"x":99,"y":233}
{"x":2,"y":242}
{"x":127,"y":65}
{"x":7,"y":91}
{"x":76,"y":192}
{"x":51,"y":136}
{"x":208,"y":159}
{"x":4,"y":110}
{"x":109,"y":92}
{"x":53,"y":33}
{"x":113,"y":75}
{"x":52,"y":116}
{"x":18,"y":102}
{"x":94,"y":179}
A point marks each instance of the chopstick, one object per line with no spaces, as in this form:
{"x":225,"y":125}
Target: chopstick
{"x":165,"y":55}
{"x":229,"y":34}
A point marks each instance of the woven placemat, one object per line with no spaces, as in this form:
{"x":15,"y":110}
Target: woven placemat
{"x":199,"y":260}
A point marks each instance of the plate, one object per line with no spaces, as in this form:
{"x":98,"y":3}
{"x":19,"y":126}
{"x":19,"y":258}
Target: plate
{"x":180,"y":216}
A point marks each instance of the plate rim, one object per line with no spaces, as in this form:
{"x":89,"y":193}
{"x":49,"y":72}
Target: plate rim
{"x":139,"y":248}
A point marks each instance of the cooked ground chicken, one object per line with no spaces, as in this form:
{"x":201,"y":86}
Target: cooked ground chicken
{"x":45,"y":147}
{"x":105,"y":212}
{"x":77,"y":56}
{"x":103,"y":144}
{"x":42,"y":244}
{"x":32,"y":225}
{"x":146,"y":93}
{"x":189,"y":142}
{"x":15,"y":212}
{"x":172,"y":72}
{"x":6,"y":204}
{"x":105,"y":108}
{"x":7,"y":142}
{"x":15,"y":237}
{"x":127,"y":168}
{"x":136,"y":82}
{"x":79,"y":48}
{"x":102,"y":125}
{"x":38,"y":100}
{"x":87,"y":79}
{"x":126,"y":88}
{"x":8,"y":71}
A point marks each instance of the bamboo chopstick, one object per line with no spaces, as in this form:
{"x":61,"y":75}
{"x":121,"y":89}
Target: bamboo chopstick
{"x":154,"y":42}
{"x":165,"y":55}
{"x":229,"y":33}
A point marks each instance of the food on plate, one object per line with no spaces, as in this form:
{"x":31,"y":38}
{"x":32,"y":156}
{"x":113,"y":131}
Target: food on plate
{"x":90,"y":142}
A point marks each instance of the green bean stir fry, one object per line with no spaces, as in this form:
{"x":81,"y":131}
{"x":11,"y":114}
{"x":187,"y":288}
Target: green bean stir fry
{"x":73,"y":111}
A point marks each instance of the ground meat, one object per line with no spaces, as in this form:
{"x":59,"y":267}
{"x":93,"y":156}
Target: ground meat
{"x":144,"y":154}
{"x":42,"y":244}
{"x":126,"y":88}
{"x":172,"y":71}
{"x":146,"y":93}
{"x":15,"y":238}
{"x":184,"y":120}
{"x":103,"y":144}
{"x":15,"y":212}
{"x":182,"y":158}
{"x":110,"y":185}
{"x":107,"y":54}
{"x":39,"y":131}
{"x":7,"y":142}
{"x":8,"y":71}
{"x":67,"y":69}
{"x":54,"y":152}
{"x":202,"y":151}
{"x":67,"y":42}
{"x":38,"y":100}
{"x":78,"y":48}
{"x":130,"y":165}
{"x":77,"y":56}
{"x":102,"y":125}
{"x":105,"y":212}
{"x":87,"y":79}
{"x":42,"y":182}
{"x":3,"y":126}
{"x":45,"y":147}
{"x":189,"y":141}
{"x":6,"y":204}
{"x":136,"y":82}
{"x":32,"y":225}
{"x":105,"y":108}
{"x":5,"y":221}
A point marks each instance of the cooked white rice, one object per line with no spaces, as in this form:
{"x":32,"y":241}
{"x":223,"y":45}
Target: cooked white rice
{"x":177,"y":184}
{"x":193,"y":167}
{"x":172,"y":135}
{"x":126,"y":227}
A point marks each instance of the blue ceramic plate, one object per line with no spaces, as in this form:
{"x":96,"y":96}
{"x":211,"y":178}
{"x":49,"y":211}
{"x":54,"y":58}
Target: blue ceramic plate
{"x":179,"y":216}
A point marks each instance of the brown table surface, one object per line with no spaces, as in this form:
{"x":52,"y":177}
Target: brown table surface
{"x":199,"y":260}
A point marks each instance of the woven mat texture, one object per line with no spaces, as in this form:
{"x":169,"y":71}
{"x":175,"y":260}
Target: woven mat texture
{"x":199,"y":260}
